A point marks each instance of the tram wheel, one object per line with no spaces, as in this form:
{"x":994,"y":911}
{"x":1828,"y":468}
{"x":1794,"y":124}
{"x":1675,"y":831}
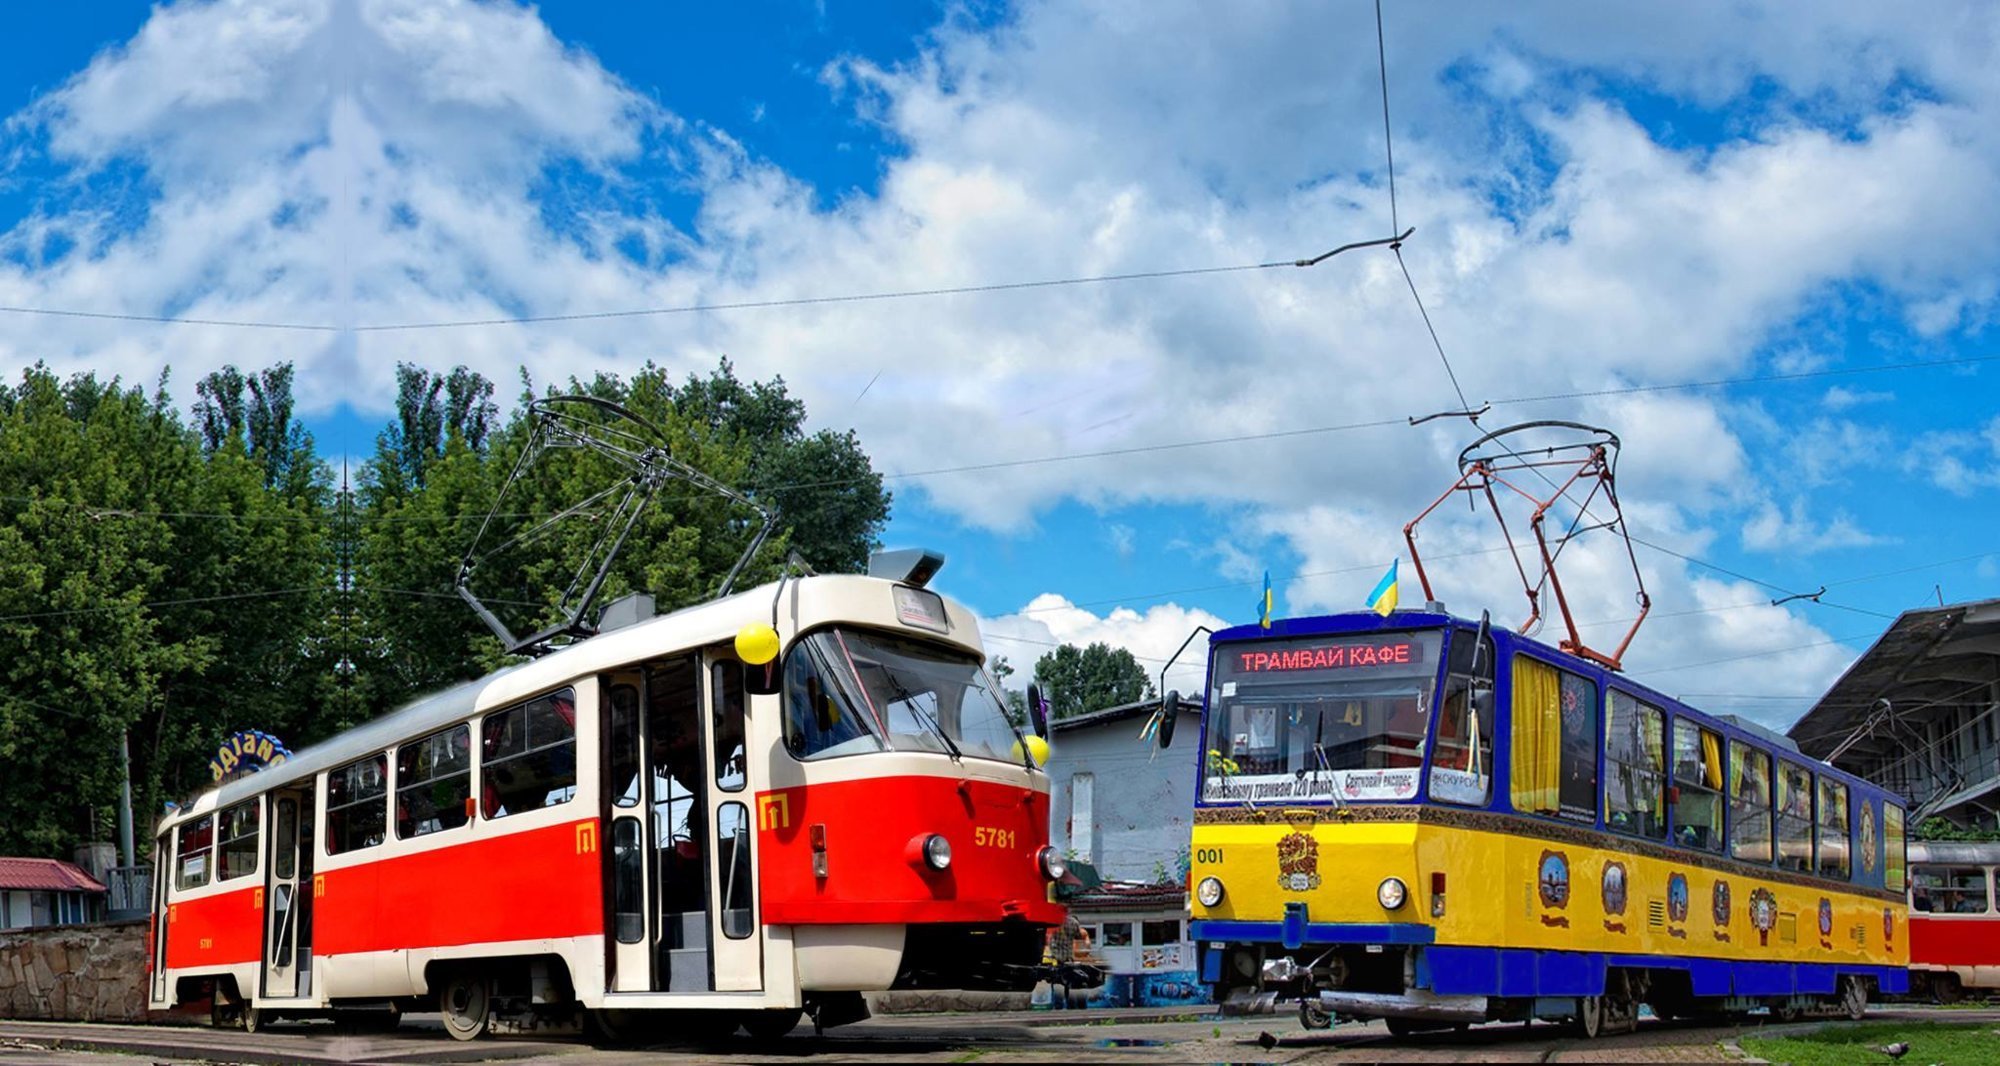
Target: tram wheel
{"x":613,"y":1027}
{"x":466,"y":1001}
{"x":771,"y":1024}
{"x":1590,"y":1017}
{"x":254,"y":1019}
{"x":1853,"y":997}
{"x":1314,"y":1016}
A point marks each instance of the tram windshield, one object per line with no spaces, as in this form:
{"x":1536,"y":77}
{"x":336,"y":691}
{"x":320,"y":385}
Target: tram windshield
{"x":849,"y":691}
{"x":1332,"y":718}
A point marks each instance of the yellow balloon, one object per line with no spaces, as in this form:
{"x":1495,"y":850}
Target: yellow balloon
{"x":756,"y":644}
{"x":1038,"y":749}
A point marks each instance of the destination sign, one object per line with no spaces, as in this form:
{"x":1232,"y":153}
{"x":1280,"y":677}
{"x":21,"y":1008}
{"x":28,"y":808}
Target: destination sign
{"x":1330,"y":657}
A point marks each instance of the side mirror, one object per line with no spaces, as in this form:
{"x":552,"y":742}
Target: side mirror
{"x":1170,"y":712}
{"x":1038,"y":712}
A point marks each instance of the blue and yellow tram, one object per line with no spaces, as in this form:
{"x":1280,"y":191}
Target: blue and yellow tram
{"x":1423,"y":819}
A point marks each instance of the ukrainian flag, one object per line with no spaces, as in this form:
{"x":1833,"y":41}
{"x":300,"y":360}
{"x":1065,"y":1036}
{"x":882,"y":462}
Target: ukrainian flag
{"x":1383,"y":599}
{"x":1264,"y":605}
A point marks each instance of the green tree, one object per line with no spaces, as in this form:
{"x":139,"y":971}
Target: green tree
{"x":1080,"y":680}
{"x":147,"y":587}
{"x":432,"y":482}
{"x":1014,"y":699}
{"x":823,"y":485}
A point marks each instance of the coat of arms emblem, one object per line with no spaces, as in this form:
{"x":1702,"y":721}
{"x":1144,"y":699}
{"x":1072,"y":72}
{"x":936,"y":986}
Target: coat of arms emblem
{"x":1298,"y":862}
{"x":1763,"y":913}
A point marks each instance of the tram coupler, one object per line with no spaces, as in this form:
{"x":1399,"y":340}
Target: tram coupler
{"x":1246,"y":1001}
{"x":1415,"y":1004}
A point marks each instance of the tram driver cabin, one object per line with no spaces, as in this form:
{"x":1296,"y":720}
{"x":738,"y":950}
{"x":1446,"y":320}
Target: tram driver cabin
{"x":1429,"y":820}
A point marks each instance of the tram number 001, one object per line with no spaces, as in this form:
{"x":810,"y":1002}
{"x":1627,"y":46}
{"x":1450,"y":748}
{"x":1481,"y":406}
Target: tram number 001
{"x":987,"y":836}
{"x":1211,"y":856}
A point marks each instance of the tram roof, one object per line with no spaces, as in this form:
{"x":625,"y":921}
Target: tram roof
{"x":693,"y":626}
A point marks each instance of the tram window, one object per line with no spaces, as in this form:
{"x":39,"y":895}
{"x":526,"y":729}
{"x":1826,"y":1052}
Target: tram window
{"x":1795,"y":823}
{"x":285,"y":849}
{"x":817,"y":724}
{"x":357,"y":807}
{"x":1634,"y":742}
{"x":1832,"y":830}
{"x":1462,"y":759}
{"x":1749,"y":803}
{"x":1160,"y":933}
{"x":1117,"y":934}
{"x":726,"y":689}
{"x":1555,"y":741}
{"x":1892,"y":844}
{"x":732,"y":842}
{"x":1698,"y":784}
{"x":433,"y":781}
{"x":624,"y":742}
{"x":628,"y":881}
{"x":191,"y":867}
{"x":238,"y":845}
{"x":528,"y":756}
{"x":1949,"y":889}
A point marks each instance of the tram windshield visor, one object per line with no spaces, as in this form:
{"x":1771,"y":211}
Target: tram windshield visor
{"x":1330,"y":719}
{"x":849,"y":691}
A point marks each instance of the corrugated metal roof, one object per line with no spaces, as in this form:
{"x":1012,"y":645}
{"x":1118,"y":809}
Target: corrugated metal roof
{"x":1934,"y":658}
{"x":46,"y":875}
{"x":1127,"y":896}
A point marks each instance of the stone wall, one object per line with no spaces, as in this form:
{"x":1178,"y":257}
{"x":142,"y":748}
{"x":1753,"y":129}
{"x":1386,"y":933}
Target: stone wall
{"x":85,"y":973}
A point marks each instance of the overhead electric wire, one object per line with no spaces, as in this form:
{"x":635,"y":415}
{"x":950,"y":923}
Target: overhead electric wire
{"x":706,"y":308}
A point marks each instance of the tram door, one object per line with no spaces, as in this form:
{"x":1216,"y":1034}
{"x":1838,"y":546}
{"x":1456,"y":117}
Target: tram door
{"x":288,"y":896}
{"x":163,"y":866}
{"x":733,"y":926}
{"x":662,"y":848}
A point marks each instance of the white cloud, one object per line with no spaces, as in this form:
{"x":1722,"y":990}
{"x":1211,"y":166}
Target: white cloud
{"x":1793,"y":530}
{"x":1961,"y":463}
{"x":1152,"y":637}
{"x":341,"y":161}
{"x":1841,"y":399}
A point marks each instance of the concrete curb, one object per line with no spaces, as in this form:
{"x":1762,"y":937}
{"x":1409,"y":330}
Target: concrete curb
{"x":200,"y":1045}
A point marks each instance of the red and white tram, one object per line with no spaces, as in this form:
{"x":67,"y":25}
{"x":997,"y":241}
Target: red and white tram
{"x":1954,"y":926}
{"x":643,"y":826}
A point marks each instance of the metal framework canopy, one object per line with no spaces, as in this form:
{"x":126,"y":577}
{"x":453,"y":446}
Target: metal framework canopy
{"x":1550,"y":473}
{"x":592,"y":442}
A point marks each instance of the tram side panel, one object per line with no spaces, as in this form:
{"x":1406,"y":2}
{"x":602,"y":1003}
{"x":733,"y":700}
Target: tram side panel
{"x":1527,"y":915}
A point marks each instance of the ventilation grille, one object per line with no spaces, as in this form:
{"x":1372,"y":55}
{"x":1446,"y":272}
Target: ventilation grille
{"x":1656,"y":913}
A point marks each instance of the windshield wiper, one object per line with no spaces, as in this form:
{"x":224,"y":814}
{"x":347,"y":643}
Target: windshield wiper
{"x":917,"y":710}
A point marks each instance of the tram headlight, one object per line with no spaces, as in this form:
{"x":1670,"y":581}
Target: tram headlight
{"x":1209,"y":891}
{"x":1052,"y":864}
{"x":937,"y":851}
{"x":1391,"y":893}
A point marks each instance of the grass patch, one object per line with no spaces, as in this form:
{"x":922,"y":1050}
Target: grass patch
{"x":1846,"y":1044}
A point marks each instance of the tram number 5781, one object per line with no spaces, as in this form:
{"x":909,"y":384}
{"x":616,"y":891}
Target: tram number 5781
{"x":987,"y":836}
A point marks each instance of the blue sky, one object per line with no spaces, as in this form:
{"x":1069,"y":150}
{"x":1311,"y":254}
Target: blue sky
{"x":1611,"y":203}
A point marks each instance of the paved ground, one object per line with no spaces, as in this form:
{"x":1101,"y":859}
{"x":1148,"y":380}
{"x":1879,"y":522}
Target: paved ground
{"x":1094,"y":1036}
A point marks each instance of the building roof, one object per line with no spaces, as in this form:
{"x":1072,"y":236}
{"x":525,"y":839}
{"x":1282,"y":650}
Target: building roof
{"x":1190,"y":704}
{"x":1129,"y":896}
{"x":46,"y":875}
{"x":1934,"y":657}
